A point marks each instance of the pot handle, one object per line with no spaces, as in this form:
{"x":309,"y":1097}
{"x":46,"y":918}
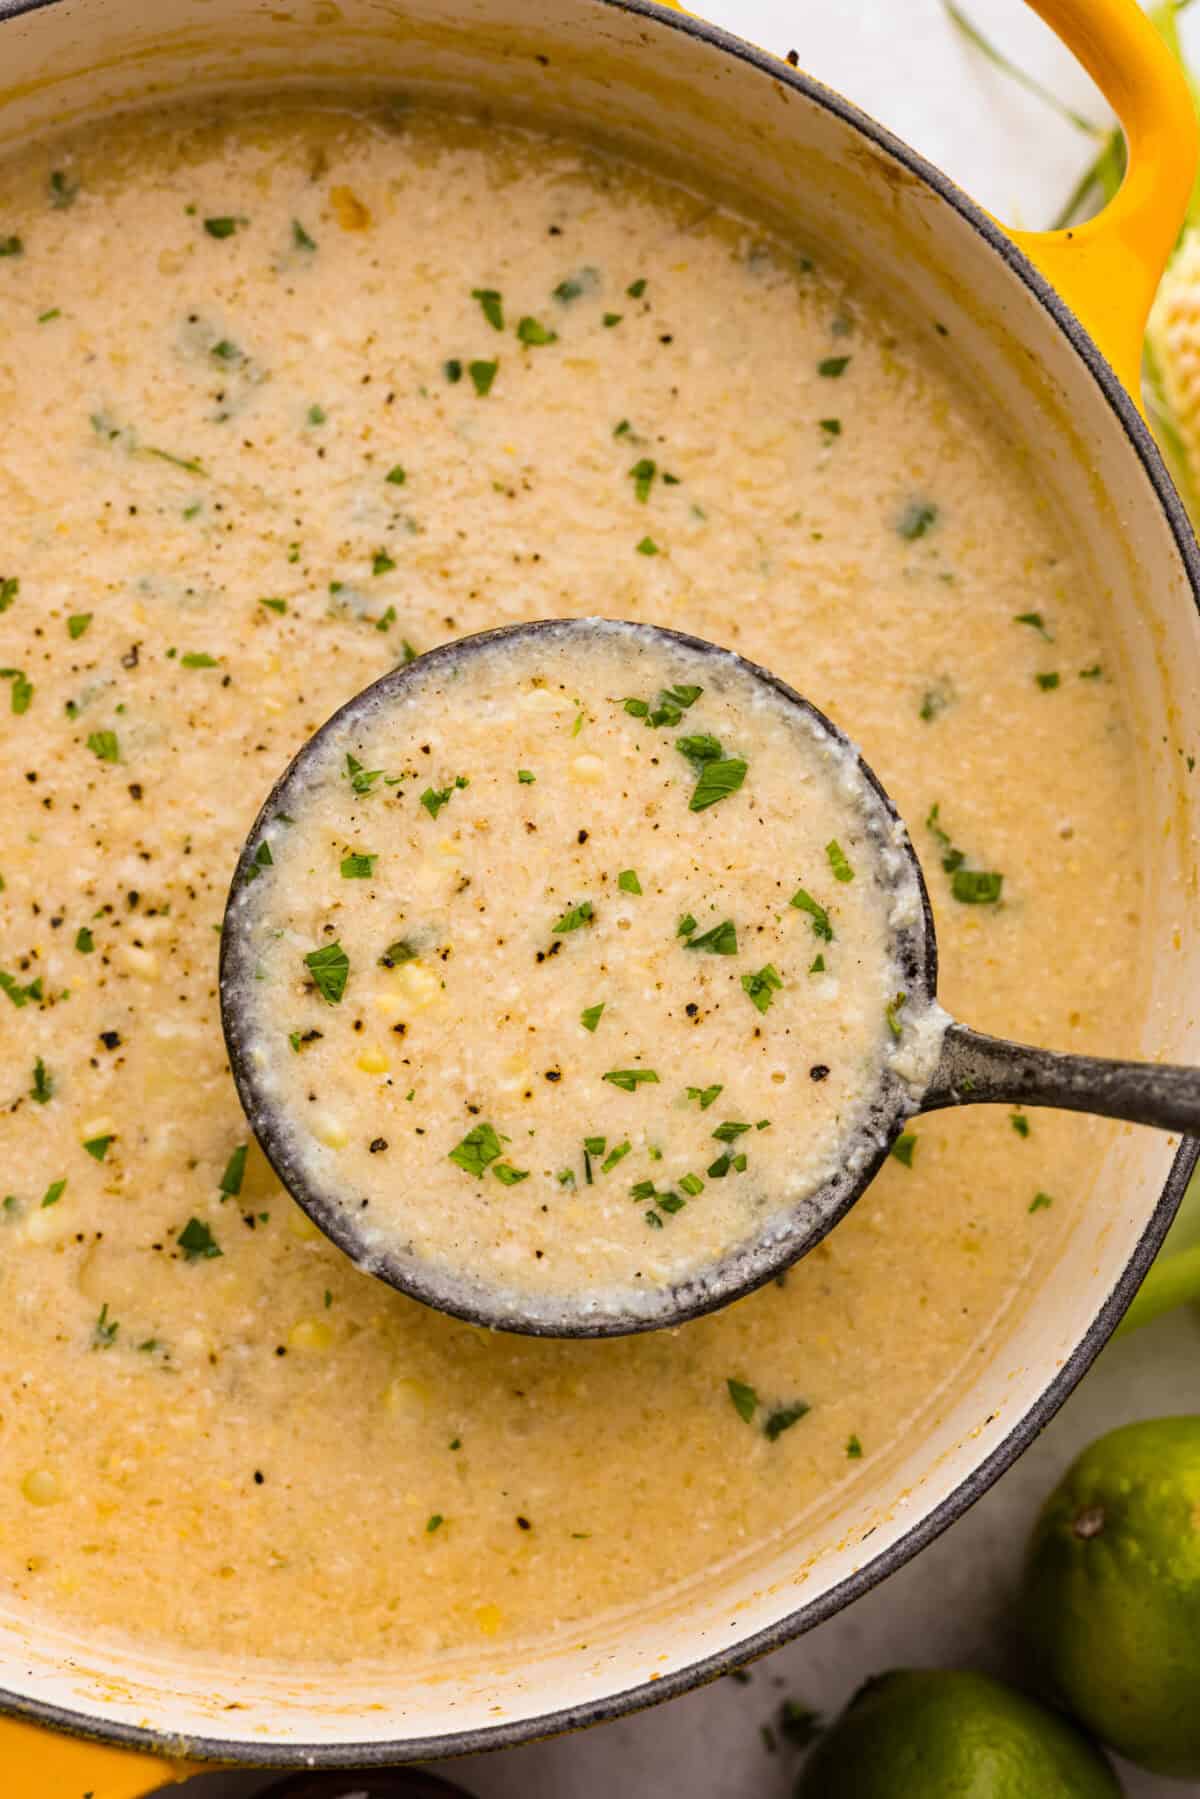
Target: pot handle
{"x":1108,"y":269}
{"x":40,"y":1764}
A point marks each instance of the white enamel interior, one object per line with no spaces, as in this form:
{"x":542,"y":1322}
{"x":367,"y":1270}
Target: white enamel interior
{"x":729,"y":127}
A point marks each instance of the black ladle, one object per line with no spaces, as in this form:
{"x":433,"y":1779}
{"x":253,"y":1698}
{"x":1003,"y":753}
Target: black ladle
{"x":971,"y":1069}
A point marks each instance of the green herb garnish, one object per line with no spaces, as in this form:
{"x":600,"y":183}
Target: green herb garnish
{"x":104,"y":745}
{"x":804,"y":902}
{"x":643,"y":478}
{"x":358,"y":867}
{"x":903,"y":1148}
{"x":721,"y":940}
{"x":1048,"y":682}
{"x":1040,"y":1202}
{"x":97,"y":1147}
{"x":85,"y":943}
{"x":628,"y":882}
{"x":717,"y":781}
{"x":361,"y":779}
{"x":221,"y":227}
{"x":916,"y":519}
{"x":477,"y":1151}
{"x":976,"y":887}
{"x":330,"y":968}
{"x":762,"y":987}
{"x":838,"y":864}
{"x":526,"y":777}
{"x":590,"y":1017}
{"x":43,"y":1083}
{"x":197,"y":1242}
{"x":630,"y":1078}
{"x":231,"y":1181}
{"x":705,"y":1095}
{"x":482,"y":375}
{"x":507,"y":1175}
{"x":1019,"y":1123}
{"x":744,"y":1399}
{"x":104,"y":1331}
{"x":77,"y":624}
{"x":574,"y":917}
{"x":532,"y":331}
{"x":783,"y":1419}
{"x":492,"y":305}
{"x":833,"y":366}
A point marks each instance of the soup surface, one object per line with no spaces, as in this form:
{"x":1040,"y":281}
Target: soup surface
{"x":682,"y":1045}
{"x":288,"y":395}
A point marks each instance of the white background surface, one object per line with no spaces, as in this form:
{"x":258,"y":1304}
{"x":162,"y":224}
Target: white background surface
{"x":904,"y":63}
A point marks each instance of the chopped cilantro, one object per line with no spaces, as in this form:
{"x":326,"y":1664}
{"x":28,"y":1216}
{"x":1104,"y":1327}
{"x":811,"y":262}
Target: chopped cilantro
{"x":976,"y":887}
{"x":892,"y":1013}
{"x":197,"y":1242}
{"x":590,"y":1017}
{"x":330,"y":968}
{"x":221,"y":227}
{"x":817,"y":965}
{"x":508,"y":1175}
{"x":838,"y":864}
{"x":721,"y":940}
{"x":853,"y":1449}
{"x":434,"y":1522}
{"x":686,"y":925}
{"x":743,"y":1398}
{"x":628,"y":882}
{"x":20,"y":996}
{"x":1091,"y":674}
{"x":396,"y":475}
{"x":526,"y":777}
{"x":783,"y":1419}
{"x":916,"y":519}
{"x":381,"y":562}
{"x":104,"y":1331}
{"x":717,"y":781}
{"x":54,"y":1193}
{"x":300,"y":237}
{"x":574,"y":917}
{"x":104,"y":745}
{"x":691,"y":1184}
{"x":647,"y":547}
{"x":361,"y":779}
{"x":1040,"y":1202}
{"x":613,"y":318}
{"x":477,"y":1151}
{"x":532,"y":331}
{"x":637,"y":288}
{"x":491,"y":304}
{"x":11,"y":245}
{"x":804,"y":902}
{"x":231,"y":1181}
{"x":730,"y":1130}
{"x":85,"y":943}
{"x":453,"y":370}
{"x":198,"y":659}
{"x":833,"y":366}
{"x":762,"y":987}
{"x":705,"y":1095}
{"x":700,"y":748}
{"x":10,"y":587}
{"x":831,"y":427}
{"x":903,"y":1148}
{"x":77,"y":624}
{"x":1019,"y":1123}
{"x":274,"y":605}
{"x":1048,"y":682}
{"x":397,"y":953}
{"x":357,"y":866}
{"x":1036,"y":621}
{"x":482,"y":375}
{"x":630,"y":1078}
{"x":643,"y":478}
{"x":97,"y":1147}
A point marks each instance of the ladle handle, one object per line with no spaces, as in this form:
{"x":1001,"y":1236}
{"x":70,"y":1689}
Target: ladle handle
{"x":974,"y":1069}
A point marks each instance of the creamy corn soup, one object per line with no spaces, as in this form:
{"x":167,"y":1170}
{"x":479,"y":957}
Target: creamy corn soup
{"x":681,"y":1045}
{"x":289,"y":395}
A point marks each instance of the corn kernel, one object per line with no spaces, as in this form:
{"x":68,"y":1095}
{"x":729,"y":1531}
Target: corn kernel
{"x":419,"y":986}
{"x":542,"y":700}
{"x":489,"y":1618}
{"x":588,"y":769}
{"x":40,"y":1487}
{"x":97,"y":1127}
{"x":138,"y":961}
{"x":330,"y":1131}
{"x":406,"y":1398}
{"x":310,"y":1333}
{"x":373,"y":1060}
{"x":49,"y":1224}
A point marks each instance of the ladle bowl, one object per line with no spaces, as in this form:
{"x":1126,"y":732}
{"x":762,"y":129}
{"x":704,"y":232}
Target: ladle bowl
{"x":970,"y":1068}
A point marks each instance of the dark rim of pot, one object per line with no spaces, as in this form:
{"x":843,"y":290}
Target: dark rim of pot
{"x":376,"y":1753}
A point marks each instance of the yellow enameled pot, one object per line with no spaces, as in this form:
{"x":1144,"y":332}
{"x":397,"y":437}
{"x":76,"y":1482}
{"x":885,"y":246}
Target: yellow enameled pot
{"x":1054,"y":321}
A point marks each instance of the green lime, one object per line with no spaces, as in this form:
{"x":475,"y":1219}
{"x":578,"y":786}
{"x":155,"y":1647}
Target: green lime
{"x":926,"y":1734}
{"x":1112,"y":1592}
